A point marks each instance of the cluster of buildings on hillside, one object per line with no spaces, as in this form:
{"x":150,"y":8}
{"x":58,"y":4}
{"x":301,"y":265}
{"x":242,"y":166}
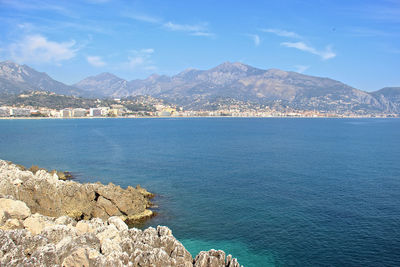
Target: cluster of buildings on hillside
{"x":113,"y":111}
{"x":6,"y":111}
{"x":162,"y":111}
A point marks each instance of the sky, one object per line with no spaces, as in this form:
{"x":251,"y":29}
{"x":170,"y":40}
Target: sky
{"x":355,"y":41}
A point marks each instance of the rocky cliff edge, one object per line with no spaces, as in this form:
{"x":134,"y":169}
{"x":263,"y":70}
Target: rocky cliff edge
{"x":29,"y":238}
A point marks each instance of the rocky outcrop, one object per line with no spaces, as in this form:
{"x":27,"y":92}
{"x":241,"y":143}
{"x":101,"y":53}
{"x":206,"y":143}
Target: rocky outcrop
{"x":44,"y":193}
{"x":36,"y":240}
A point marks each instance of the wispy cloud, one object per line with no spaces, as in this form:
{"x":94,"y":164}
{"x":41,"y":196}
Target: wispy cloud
{"x":301,"y":68}
{"x":143,"y":18}
{"x":184,"y":27}
{"x":192,"y":29}
{"x":325,"y":54}
{"x":38,"y":49}
{"x":95,"y":61}
{"x":371,"y":32}
{"x":98,"y":1}
{"x":141,"y":59}
{"x":36,"y":5}
{"x":205,"y":34}
{"x":256,"y":39}
{"x":388,"y":11}
{"x":282,"y":33}
{"x":200,"y":29}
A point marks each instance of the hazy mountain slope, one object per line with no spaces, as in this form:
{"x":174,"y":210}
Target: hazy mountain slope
{"x":245,"y":83}
{"x":15,"y":78}
{"x":389,"y":97}
{"x":203,"y":88}
{"x":103,"y":85}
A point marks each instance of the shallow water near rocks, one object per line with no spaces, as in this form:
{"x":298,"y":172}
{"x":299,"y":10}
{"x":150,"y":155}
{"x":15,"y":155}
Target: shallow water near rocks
{"x":271,"y":192}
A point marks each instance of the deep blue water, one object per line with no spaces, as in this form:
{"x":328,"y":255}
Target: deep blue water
{"x":272,"y":192}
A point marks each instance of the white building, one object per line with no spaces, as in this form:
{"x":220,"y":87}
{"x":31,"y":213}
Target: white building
{"x":95,"y":112}
{"x":66,"y":113}
{"x":79,"y":112}
{"x":20,"y":112}
{"x":4,"y":112}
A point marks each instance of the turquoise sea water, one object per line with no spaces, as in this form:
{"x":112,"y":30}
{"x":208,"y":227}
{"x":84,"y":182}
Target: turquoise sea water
{"x":272,"y":192}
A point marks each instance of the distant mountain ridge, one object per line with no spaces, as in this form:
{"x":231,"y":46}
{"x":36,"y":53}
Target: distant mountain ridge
{"x":15,"y":78}
{"x":197,"y":89}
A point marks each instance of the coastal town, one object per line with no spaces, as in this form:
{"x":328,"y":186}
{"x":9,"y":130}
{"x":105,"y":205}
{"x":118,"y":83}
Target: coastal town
{"x":27,"y":105}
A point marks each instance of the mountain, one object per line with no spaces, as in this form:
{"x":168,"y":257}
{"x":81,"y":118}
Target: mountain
{"x":15,"y":78}
{"x":389,"y":97}
{"x":228,"y":85}
{"x":103,"y":85}
{"x":196,"y":89}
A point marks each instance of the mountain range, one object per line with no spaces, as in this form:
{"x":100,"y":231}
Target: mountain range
{"x":197,"y":89}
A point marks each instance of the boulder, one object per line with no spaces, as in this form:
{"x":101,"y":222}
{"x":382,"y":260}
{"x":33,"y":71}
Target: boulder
{"x":80,"y":257}
{"x":118,"y":222}
{"x":36,"y":223}
{"x":12,"y":224}
{"x":14,"y":208}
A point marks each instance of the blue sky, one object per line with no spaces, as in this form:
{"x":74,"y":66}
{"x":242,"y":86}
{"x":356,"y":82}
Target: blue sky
{"x":356,"y":42}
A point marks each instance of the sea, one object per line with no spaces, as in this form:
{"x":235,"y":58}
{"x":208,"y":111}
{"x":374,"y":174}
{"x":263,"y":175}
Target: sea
{"x":269,"y":191}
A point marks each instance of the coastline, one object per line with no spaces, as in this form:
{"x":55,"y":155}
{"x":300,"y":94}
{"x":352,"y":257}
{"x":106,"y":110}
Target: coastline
{"x":32,"y":232}
{"x":193,"y":117}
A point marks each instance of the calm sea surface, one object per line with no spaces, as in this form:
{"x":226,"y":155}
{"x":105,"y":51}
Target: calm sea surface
{"x":272,"y":192}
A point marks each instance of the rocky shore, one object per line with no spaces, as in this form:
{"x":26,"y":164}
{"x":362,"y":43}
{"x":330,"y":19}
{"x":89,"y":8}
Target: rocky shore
{"x":50,"y":194}
{"x":45,"y":221}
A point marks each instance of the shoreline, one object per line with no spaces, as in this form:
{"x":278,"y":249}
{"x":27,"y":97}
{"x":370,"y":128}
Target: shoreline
{"x":51,"y":193}
{"x":34,"y":233}
{"x":194,"y":117}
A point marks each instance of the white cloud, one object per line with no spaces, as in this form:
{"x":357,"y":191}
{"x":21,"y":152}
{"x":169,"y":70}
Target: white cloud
{"x":141,"y":59}
{"x":282,"y":33}
{"x":195,"y":30}
{"x":143,"y":18}
{"x":325,"y":54}
{"x":37,"y":5}
{"x":301,"y":68}
{"x":191,"y":29}
{"x":37,"y":49}
{"x":256,"y":39}
{"x":95,"y":61}
{"x":205,"y":34}
{"x":98,"y":1}
{"x":184,"y":27}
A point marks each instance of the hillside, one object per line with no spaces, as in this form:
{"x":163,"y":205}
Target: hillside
{"x":226,"y":83}
{"x":15,"y":78}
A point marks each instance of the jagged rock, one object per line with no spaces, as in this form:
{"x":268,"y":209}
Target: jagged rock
{"x":108,"y":243}
{"x":65,"y":220}
{"x":36,"y":223}
{"x":12,"y":224}
{"x":4,"y":216}
{"x":84,"y":227}
{"x":80,"y":257}
{"x":16,"y":209}
{"x":211,"y":258}
{"x":39,"y":240}
{"x":108,"y":246}
{"x":118,"y":223}
{"x":108,"y":232}
{"x":142,"y":191}
{"x":45,"y":193}
{"x":108,"y":206}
